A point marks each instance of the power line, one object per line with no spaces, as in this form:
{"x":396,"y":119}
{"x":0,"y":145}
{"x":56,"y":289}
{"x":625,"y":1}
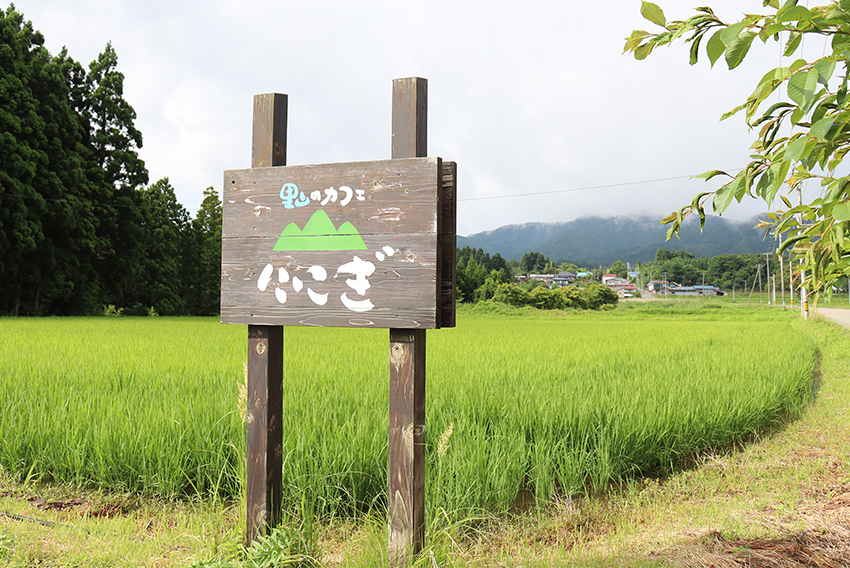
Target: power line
{"x":581,"y":188}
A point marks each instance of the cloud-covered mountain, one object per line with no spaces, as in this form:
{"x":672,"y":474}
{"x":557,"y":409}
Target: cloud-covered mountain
{"x":597,"y":241}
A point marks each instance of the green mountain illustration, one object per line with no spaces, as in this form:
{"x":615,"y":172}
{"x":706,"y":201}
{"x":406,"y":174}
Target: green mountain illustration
{"x":320,"y":234}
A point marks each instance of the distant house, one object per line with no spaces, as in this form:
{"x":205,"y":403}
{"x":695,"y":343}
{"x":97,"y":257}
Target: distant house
{"x":693,"y":290}
{"x":625,"y":290}
{"x":613,"y":280}
{"x":562,"y":279}
{"x":584,"y":275}
{"x":657,"y":286}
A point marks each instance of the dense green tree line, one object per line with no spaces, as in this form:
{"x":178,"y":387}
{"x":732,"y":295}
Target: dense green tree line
{"x":725,"y":271}
{"x":79,"y":227}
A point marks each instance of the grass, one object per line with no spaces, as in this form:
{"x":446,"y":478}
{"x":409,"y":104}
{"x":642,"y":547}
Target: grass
{"x":520,"y":420}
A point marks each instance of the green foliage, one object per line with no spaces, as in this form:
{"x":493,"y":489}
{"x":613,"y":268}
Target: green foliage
{"x":619,"y":268}
{"x":488,"y":288}
{"x":593,"y":296}
{"x":545,"y":299}
{"x":535,"y":263}
{"x":78,"y":227}
{"x":291,"y":544}
{"x":511,"y":295}
{"x":530,"y":285}
{"x":596,"y":296}
{"x":112,"y":311}
{"x":572,"y":297}
{"x":474,"y":268}
{"x":804,"y":137}
{"x":662,"y":255}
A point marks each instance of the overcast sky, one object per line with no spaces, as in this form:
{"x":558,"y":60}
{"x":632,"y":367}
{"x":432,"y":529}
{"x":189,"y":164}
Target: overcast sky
{"x":526,"y":97}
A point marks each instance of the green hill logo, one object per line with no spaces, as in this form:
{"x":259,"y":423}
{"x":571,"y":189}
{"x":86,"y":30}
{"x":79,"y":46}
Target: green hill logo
{"x":319,"y":234}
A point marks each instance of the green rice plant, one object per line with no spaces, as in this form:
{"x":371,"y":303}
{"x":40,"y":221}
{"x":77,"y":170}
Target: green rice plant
{"x":516,"y":406}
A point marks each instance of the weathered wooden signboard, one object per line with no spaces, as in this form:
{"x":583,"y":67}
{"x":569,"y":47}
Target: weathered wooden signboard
{"x":344,"y":245}
{"x":367,"y":244}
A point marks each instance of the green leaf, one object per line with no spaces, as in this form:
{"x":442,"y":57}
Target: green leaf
{"x":738,"y":48}
{"x":793,"y":43}
{"x":825,"y":69}
{"x":794,"y":151}
{"x":798,"y":115}
{"x":841,"y":212}
{"x":793,"y":14}
{"x":734,"y":189}
{"x":821,"y":127}
{"x":801,"y":87}
{"x":734,"y":111}
{"x":715,"y":47}
{"x":839,"y":42}
{"x":653,"y":13}
{"x":694,"y":55}
{"x":798,"y":64}
{"x":730,"y":33}
{"x":723,"y":198}
{"x":771,"y":30}
{"x":643,"y":51}
{"x":710,"y":174}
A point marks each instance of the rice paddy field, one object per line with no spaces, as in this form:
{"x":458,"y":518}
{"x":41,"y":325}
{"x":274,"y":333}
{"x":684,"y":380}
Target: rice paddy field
{"x":522,"y":406}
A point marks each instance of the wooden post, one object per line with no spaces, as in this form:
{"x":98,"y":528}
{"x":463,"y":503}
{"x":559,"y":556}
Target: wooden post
{"x":406,"y":468}
{"x":265,"y":354}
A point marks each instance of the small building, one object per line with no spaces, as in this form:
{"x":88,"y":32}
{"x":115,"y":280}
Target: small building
{"x":625,"y":290}
{"x":547,"y":278}
{"x":613,"y":279}
{"x":564,"y":278}
{"x":693,"y":290}
{"x":657,"y":286}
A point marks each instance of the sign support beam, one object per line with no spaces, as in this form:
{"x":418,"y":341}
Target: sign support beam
{"x":406,"y":467}
{"x":265,"y":354}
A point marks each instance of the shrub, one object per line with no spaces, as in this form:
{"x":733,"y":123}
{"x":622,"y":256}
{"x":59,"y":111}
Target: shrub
{"x":597,"y":295}
{"x":511,"y":295}
{"x":571,"y":297}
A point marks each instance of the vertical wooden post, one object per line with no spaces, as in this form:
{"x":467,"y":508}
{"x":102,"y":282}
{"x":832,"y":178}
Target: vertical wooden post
{"x":406,"y":484}
{"x":265,"y":354}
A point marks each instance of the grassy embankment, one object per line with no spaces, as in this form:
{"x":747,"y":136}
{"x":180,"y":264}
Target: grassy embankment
{"x":551,"y":406}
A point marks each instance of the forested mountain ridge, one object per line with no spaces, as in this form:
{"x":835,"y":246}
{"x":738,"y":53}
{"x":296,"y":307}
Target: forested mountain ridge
{"x":594,"y":241}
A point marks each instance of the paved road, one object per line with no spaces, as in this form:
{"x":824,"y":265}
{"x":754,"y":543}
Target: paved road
{"x":839,"y":316}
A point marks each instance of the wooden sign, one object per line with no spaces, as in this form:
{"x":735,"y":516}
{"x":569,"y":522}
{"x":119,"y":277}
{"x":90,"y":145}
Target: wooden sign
{"x":364,"y":244}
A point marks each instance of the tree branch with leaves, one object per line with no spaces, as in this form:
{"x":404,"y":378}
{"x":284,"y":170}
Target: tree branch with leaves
{"x":804,"y":136}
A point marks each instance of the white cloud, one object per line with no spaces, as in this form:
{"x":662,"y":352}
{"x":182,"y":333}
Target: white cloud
{"x":525,"y":97}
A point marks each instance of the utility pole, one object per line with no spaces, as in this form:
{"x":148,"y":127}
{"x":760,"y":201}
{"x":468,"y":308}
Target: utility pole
{"x":781,"y":271}
{"x":767,"y":273}
{"x":804,"y":299}
{"x":774,"y":290}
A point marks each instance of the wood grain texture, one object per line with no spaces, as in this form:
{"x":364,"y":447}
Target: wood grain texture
{"x":398,"y":218}
{"x":448,"y":246}
{"x":268,"y":146}
{"x":264,"y":460}
{"x":406,"y":467}
{"x":264,"y":434}
{"x":410,"y":118}
{"x":406,"y":484}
